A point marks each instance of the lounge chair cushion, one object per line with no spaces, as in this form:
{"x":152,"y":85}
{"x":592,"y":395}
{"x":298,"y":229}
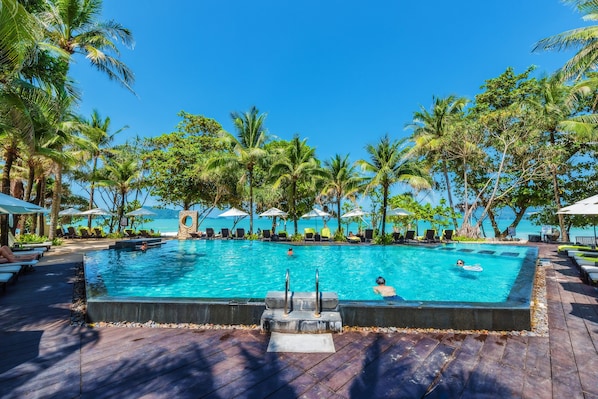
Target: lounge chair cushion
{"x":10,"y":268}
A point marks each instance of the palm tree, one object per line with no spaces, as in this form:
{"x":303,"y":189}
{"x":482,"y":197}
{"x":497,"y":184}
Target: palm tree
{"x":20,"y":31}
{"x":74,"y":26}
{"x":122,"y":174}
{"x":296,"y":165}
{"x":390,"y":164}
{"x":585,"y":40}
{"x":96,"y":130}
{"x":248,"y":149}
{"x":556,"y":103}
{"x":432,"y":134}
{"x":342,"y":181}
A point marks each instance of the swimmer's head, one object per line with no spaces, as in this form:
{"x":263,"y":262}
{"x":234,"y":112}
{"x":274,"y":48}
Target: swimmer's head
{"x":380,"y":281}
{"x":460,"y":262}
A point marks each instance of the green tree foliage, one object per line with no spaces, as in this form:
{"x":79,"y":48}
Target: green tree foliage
{"x":296,"y":169}
{"x":247,"y":151}
{"x":390,"y":164}
{"x":432,"y":135}
{"x":583,"y":40}
{"x":342,"y":181}
{"x":177,"y":165}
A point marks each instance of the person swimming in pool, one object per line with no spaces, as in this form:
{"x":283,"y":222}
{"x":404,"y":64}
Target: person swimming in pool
{"x":472,"y":268}
{"x":144,"y":246}
{"x":290,"y":252}
{"x":386,"y":291}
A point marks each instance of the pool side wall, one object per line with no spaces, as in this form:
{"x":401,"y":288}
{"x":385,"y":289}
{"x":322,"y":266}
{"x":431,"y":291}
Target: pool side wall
{"x":405,"y":315}
{"x":512,"y":315}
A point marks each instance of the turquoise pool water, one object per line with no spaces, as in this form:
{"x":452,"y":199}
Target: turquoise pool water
{"x":249,"y":269}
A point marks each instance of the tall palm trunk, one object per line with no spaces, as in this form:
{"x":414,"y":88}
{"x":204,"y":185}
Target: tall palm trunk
{"x":92,"y":189}
{"x":449,"y":193}
{"x":5,"y":188}
{"x":293,"y":205}
{"x":250,"y":202}
{"x":56,"y":196}
{"x":557,"y":201}
{"x":384,"y":205}
{"x":557,"y":197}
{"x":338,"y":211}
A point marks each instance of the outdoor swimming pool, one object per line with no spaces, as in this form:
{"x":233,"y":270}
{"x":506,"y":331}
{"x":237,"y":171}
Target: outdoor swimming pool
{"x":248,"y":269}
{"x":242,"y":272}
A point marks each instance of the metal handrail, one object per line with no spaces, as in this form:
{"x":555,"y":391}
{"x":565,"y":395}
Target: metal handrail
{"x":287,"y":283}
{"x":317,"y":312}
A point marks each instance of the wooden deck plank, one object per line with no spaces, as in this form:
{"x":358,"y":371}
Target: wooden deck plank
{"x":50,"y":358}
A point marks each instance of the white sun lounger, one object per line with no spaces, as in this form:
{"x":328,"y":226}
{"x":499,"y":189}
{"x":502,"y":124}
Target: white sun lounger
{"x":23,"y":264}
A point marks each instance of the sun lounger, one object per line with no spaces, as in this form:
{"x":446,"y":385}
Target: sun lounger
{"x":353,"y":239}
{"x":266,"y":236}
{"x":325,"y":234}
{"x":282,"y":236}
{"x":567,"y":247}
{"x":309,"y":234}
{"x":23,"y":265}
{"x":397,"y":237}
{"x":447,"y":235}
{"x":369,"y":235}
{"x":209,"y":233}
{"x":240,"y":234}
{"x":430,"y":236}
{"x":410,"y":236}
{"x":224,"y":233}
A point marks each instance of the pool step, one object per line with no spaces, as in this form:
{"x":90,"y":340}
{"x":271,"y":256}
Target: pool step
{"x":301,"y":316}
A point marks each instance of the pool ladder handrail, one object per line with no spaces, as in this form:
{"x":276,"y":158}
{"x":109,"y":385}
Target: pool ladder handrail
{"x":287,"y":283}
{"x":317,"y":311}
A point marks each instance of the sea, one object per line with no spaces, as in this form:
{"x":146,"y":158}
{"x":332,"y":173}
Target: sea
{"x":170,"y":226}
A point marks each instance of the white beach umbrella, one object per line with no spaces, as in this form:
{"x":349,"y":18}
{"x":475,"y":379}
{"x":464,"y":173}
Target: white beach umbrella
{"x":96,"y":212}
{"x":588,"y":206}
{"x":355,"y":213}
{"x":140,"y":212}
{"x":233,"y":212}
{"x":399,"y":212}
{"x":315,"y":214}
{"x":12,"y":205}
{"x":236,"y":214}
{"x":69,"y":212}
{"x":273,"y":212}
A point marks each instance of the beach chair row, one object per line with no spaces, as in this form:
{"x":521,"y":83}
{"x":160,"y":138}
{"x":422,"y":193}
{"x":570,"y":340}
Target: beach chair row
{"x":83,"y":232}
{"x":586,"y":260}
{"x":11,"y":271}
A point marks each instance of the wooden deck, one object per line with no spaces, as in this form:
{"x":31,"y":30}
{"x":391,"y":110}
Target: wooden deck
{"x":42,"y":355}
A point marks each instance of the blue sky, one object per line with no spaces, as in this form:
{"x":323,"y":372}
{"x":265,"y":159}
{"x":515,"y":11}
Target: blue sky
{"x":337,"y":72}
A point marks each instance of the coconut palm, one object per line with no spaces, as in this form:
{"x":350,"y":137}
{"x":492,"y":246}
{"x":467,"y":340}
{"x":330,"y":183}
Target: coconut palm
{"x":96,"y":130}
{"x":297,"y":165}
{"x":389,"y":164}
{"x":74,"y":26}
{"x":122,"y":173}
{"x":555,"y":103}
{"x":342,"y":180}
{"x":20,"y":31}
{"x":247,"y":149}
{"x":584,"y":40}
{"x":432,"y":134}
